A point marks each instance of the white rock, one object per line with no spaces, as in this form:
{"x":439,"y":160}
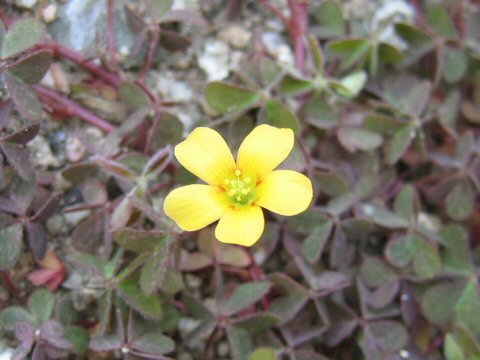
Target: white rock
{"x":173,"y":89}
{"x":41,"y":154}
{"x":215,"y":60}
{"x":49,"y":13}
{"x":28,"y":4}
{"x":6,"y":354}
{"x":235,"y":35}
{"x":278,"y":47}
{"x":74,"y":149}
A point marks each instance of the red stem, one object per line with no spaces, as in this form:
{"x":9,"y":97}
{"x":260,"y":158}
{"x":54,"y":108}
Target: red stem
{"x":151,"y":52}
{"x":111,"y":33}
{"x":298,"y":27}
{"x":87,"y":64}
{"x":65,"y":106}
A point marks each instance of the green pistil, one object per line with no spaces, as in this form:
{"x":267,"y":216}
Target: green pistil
{"x":240,"y":190}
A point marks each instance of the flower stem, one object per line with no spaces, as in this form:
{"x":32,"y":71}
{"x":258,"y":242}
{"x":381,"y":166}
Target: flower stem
{"x":87,"y":64}
{"x":67,"y":107}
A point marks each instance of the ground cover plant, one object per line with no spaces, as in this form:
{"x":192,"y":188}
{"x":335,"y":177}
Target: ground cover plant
{"x":366,"y":246}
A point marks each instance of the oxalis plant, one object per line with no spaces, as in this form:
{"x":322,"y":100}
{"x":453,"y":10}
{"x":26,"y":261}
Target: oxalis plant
{"x":319,"y":200}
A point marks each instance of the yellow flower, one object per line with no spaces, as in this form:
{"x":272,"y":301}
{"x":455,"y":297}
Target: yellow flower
{"x":237,"y":191}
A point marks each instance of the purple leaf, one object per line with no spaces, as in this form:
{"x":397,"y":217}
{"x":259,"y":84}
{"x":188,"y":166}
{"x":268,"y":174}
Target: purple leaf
{"x":6,"y":108}
{"x":22,"y":350}
{"x":88,"y":235}
{"x":37,"y":239}
{"x":17,"y":157}
{"x":39,"y":353}
{"x":24,"y":98}
{"x":106,"y":342}
{"x":49,"y":208}
{"x":24,"y":331}
{"x":24,"y":135}
{"x":158,"y":162}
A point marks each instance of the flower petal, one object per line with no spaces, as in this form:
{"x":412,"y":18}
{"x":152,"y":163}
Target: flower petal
{"x":206,"y":154}
{"x":285,"y":192}
{"x":263,"y":150}
{"x":193,"y":207}
{"x":241,"y":225}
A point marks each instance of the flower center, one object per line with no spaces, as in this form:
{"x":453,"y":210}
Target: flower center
{"x":240,"y":190}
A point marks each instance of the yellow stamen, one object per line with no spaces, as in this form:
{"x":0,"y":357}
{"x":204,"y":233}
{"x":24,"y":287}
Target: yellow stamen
{"x":238,"y":172}
{"x":244,"y":191}
{"x":239,"y":198}
{"x":247,"y":180}
{"x":227,"y":181}
{"x":232,"y":192}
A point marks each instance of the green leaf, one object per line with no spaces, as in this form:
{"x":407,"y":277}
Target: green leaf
{"x":240,"y":342}
{"x":138,"y":241}
{"x":451,"y":349}
{"x":468,"y":308}
{"x":354,"y":139}
{"x":153,"y":271}
{"x":10,"y":316}
{"x":440,"y":22}
{"x":315,"y":242}
{"x":438,"y":302}
{"x":319,"y":113}
{"x":160,"y":7}
{"x":257,"y":322}
{"x":391,"y":334}
{"x":133,"y":96}
{"x":263,"y":354}
{"x":293,"y":86}
{"x":227,"y":98}
{"x":389,"y":54}
{"x":459,"y":203}
{"x":41,"y":304}
{"x":330,"y":19}
{"x":399,"y":251}
{"x":79,"y":337}
{"x":384,"y":217}
{"x":456,"y":250}
{"x":147,"y":305}
{"x":154,"y":343}
{"x":277,"y":114}
{"x":400,"y":143}
{"x":172,"y":282}
{"x":22,"y":35}
{"x":426,"y":260}
{"x":318,"y":56}
{"x":331,"y":184}
{"x":416,"y":37}
{"x":10,"y":245}
{"x":32,"y":67}
{"x":351,"y":85}
{"x":455,"y":66}
{"x":405,"y":203}
{"x":24,"y":98}
{"x":245,"y":295}
{"x":168,"y":132}
{"x":375,"y":272}
{"x":353,"y":50}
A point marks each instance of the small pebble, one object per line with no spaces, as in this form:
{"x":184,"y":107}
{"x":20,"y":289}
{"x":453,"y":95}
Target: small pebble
{"x":28,"y":4}
{"x":75,"y":150}
{"x":215,"y":60}
{"x":235,"y":35}
{"x":41,"y":154}
{"x":49,"y":13}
